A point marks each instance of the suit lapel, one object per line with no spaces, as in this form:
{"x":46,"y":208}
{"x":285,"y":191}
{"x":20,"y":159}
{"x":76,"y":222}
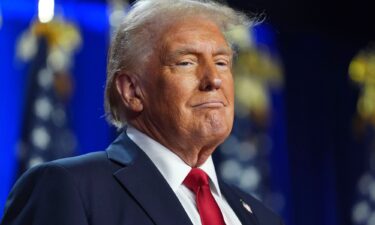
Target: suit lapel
{"x":238,"y":205}
{"x":143,"y":181}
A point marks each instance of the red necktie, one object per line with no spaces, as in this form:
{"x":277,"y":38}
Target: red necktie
{"x":209,"y":211}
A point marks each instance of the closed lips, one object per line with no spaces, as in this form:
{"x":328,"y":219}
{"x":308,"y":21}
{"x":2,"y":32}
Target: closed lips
{"x":210,"y":104}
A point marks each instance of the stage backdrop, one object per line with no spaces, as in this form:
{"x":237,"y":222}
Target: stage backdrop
{"x":256,"y":160}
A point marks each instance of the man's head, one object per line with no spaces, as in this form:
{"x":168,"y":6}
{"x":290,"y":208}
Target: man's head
{"x":169,"y":75}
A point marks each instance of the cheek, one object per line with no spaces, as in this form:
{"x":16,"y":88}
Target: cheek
{"x":175,"y":95}
{"x":228,"y":88}
{"x":180,"y":89}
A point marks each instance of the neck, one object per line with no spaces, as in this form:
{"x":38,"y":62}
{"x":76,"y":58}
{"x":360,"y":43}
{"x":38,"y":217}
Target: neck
{"x":193,"y":155}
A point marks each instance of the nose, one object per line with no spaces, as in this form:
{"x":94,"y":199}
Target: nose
{"x":210,"y":78}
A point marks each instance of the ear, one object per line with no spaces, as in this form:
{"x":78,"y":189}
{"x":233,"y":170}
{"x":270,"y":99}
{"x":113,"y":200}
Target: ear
{"x":130,"y":93}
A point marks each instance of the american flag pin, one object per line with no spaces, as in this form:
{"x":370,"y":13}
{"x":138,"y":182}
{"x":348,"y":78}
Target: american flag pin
{"x":246,"y":206}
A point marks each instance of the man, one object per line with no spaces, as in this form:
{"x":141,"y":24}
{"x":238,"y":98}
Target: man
{"x":170,"y":88}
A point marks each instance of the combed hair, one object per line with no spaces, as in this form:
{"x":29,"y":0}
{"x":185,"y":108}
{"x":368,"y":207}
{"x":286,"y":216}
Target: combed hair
{"x":135,"y":38}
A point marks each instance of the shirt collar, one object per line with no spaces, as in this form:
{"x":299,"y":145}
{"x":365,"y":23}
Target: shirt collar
{"x":172,"y":167}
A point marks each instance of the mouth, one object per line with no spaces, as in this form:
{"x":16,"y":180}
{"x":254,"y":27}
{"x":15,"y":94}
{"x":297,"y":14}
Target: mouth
{"x":210,"y":104}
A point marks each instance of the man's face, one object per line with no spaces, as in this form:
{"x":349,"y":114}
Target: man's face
{"x":188,"y":87}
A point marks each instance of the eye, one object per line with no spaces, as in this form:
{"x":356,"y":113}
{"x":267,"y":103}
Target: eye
{"x":185,"y":63}
{"x":222,"y":63}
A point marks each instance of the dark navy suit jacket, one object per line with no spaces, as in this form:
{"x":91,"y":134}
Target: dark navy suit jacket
{"x":119,"y":186}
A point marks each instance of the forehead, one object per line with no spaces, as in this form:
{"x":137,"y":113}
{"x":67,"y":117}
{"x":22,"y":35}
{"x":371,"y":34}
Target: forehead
{"x":194,"y":33}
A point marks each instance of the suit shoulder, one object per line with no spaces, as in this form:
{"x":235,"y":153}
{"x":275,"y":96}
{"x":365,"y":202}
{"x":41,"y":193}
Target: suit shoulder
{"x":76,"y":169}
{"x":87,"y":167}
{"x":89,"y":159}
{"x":36,"y":189}
{"x":65,"y":182}
{"x":63,"y":167}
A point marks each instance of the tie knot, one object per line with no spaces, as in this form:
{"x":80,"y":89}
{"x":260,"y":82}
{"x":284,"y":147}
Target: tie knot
{"x":196,"y":179}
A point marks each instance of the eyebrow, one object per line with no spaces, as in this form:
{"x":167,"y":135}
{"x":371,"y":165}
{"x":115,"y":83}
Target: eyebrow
{"x":194,"y":51}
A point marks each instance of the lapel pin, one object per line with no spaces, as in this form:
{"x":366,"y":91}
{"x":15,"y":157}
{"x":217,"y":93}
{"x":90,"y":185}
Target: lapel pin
{"x":246,"y":206}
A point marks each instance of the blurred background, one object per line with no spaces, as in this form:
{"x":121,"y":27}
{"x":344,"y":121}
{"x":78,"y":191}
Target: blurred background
{"x":303,"y":139}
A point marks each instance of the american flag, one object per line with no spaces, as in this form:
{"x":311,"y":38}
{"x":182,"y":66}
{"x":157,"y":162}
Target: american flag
{"x":45,"y":133}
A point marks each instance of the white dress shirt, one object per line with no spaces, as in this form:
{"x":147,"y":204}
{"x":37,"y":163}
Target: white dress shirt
{"x":174,"y":170}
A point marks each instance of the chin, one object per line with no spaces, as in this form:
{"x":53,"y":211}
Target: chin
{"x":220,"y":124}
{"x":218,"y":131}
{"x":215,"y":126}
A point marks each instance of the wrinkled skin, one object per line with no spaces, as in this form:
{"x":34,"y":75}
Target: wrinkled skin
{"x":185,"y":98}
